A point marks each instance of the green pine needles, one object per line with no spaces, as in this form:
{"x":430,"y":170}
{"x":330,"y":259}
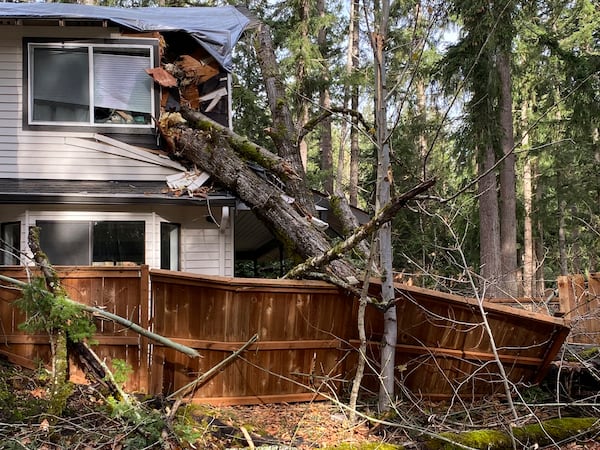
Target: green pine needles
{"x":53,"y":313}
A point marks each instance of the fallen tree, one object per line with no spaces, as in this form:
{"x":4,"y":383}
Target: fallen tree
{"x":225,"y":155}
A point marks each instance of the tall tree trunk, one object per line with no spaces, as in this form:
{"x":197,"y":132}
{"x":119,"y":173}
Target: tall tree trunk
{"x":354,"y":148}
{"x":284,"y":132}
{"x":325,"y":104}
{"x":384,"y":181}
{"x":508,"y":196}
{"x":303,"y":116}
{"x":489,"y":226}
{"x":562,"y":238}
{"x":539,"y":246}
{"x":528,"y":244}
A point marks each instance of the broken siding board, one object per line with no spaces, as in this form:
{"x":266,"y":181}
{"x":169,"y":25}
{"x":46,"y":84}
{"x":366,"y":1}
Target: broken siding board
{"x":69,"y":162}
{"x":129,"y":153}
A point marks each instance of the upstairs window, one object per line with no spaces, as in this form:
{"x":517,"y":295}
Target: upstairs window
{"x":89,"y":84}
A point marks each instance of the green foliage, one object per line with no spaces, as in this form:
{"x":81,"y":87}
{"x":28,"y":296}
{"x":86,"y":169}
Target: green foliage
{"x":121,"y":371}
{"x":53,"y":312}
{"x":149,"y":424}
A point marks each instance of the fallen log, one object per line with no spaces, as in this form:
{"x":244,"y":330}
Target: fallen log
{"x":225,"y":156}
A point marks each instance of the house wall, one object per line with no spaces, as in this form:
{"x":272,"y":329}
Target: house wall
{"x":205,"y":248}
{"x":59,"y":154}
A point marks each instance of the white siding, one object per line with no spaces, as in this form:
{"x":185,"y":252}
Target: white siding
{"x":204,"y":248}
{"x":56,"y":155}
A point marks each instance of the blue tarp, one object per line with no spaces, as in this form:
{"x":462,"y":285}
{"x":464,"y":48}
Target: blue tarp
{"x":217,"y":29}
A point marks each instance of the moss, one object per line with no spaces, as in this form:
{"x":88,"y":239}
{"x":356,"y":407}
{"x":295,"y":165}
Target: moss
{"x":555,"y":430}
{"x":589,"y":353}
{"x":542,"y":434}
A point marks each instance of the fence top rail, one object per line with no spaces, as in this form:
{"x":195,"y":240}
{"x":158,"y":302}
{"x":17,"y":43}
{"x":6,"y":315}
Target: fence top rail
{"x":241,"y":284}
{"x":79,"y":271}
{"x":418,"y":293}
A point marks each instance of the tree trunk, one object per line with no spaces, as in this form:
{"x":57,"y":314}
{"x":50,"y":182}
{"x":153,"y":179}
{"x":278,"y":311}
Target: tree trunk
{"x":508,"y":196}
{"x":354,"y":147}
{"x":284,"y":133}
{"x":302,"y":103}
{"x":489,"y":227}
{"x":325,"y":104}
{"x":220,"y":152}
{"x":384,"y":236}
{"x":528,"y":244}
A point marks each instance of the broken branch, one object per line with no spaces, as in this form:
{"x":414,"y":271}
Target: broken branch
{"x":384,"y":215}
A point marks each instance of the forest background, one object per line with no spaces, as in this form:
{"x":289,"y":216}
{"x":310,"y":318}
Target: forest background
{"x":499,"y":101}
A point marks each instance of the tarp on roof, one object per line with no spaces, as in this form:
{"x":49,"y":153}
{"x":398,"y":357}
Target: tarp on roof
{"x":217,"y":29}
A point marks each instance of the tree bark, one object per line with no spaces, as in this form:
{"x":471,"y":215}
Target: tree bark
{"x":214,"y":150}
{"x":508,"y":196}
{"x":284,"y":133}
{"x":489,"y":227}
{"x":354,"y":146}
{"x":384,"y":183}
{"x":529,"y":261}
{"x":325,"y":104}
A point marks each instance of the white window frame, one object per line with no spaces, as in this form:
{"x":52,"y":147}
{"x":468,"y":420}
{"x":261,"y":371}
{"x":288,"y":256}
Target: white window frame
{"x":149,"y":45}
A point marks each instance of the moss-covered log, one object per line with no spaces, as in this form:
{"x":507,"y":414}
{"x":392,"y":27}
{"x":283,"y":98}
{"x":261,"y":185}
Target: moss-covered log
{"x":536,"y":435}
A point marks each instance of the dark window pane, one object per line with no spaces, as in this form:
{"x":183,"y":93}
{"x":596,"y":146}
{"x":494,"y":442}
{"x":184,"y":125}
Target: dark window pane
{"x":119,"y":242}
{"x":169,"y":246}
{"x":65,"y":243}
{"x":10,"y":244}
{"x":61,"y":84}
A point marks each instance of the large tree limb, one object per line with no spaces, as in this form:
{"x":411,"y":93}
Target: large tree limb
{"x":244,"y":147}
{"x":384,"y":215}
{"x":216,"y":154}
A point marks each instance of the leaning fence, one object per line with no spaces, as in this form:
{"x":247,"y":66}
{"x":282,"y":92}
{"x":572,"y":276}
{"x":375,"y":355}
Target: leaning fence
{"x":307,"y":335}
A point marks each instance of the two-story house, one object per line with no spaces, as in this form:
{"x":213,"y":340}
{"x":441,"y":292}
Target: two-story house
{"x":81,"y":88}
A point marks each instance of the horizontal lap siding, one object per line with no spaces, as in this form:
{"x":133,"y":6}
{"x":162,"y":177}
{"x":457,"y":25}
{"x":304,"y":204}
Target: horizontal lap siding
{"x":45,"y":154}
{"x":207,"y":251}
{"x":10,"y":101}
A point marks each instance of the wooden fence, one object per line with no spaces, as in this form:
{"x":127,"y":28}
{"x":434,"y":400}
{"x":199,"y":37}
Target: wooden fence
{"x":307,"y":335}
{"x":120,"y":290}
{"x":580,"y":304}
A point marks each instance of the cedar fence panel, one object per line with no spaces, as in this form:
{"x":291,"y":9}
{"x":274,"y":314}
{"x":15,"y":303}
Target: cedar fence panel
{"x":580,"y":305}
{"x":301,"y":327}
{"x":307,"y":335}
{"x":443,"y":348}
{"x":120,"y":290}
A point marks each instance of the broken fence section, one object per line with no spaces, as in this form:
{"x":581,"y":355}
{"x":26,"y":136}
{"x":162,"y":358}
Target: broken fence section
{"x":307,"y":336}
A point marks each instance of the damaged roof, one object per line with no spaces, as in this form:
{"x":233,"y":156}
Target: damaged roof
{"x":217,"y":29}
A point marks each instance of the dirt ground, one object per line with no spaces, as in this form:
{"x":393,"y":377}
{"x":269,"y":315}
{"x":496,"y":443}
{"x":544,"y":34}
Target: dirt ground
{"x":92,"y":421}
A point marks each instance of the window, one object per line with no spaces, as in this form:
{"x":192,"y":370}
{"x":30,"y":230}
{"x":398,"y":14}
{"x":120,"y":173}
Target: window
{"x":87,"y":243}
{"x":88,"y":84}
{"x":169,"y":245}
{"x":10,"y":243}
